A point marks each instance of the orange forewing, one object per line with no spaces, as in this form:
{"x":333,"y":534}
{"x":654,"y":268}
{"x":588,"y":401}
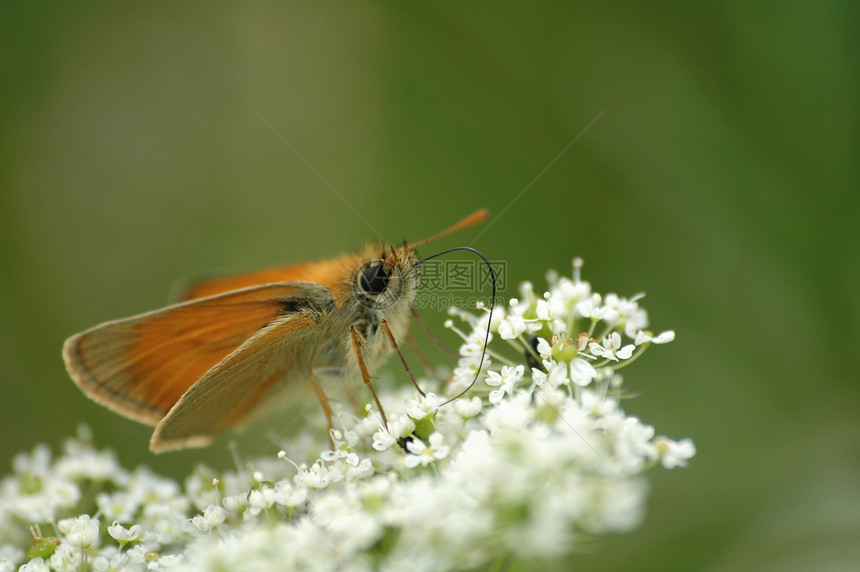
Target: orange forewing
{"x":141,"y":366}
{"x":319,"y":271}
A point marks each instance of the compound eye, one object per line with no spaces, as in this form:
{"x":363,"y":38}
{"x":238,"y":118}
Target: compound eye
{"x":374,"y":278}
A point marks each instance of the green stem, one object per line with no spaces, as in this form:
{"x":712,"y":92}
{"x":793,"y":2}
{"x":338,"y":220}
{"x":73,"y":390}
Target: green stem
{"x":591,"y":329}
{"x":528,"y":347}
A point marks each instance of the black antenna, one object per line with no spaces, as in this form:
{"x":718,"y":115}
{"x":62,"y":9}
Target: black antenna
{"x":489,"y":317}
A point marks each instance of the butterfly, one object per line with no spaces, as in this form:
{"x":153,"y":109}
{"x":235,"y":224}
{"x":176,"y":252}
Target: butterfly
{"x":238,"y":347}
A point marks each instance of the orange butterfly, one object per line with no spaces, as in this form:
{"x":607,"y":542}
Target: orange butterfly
{"x":225,"y":355}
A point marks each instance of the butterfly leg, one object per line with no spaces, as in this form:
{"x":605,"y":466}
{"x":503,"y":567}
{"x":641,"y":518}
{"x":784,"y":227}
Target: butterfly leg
{"x":384,"y":325}
{"x":365,"y":376}
{"x":413,"y":345}
{"x":325,"y":405}
{"x":430,"y":335}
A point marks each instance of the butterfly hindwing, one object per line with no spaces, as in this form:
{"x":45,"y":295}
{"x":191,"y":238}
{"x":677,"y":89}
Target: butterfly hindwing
{"x":232,"y":389}
{"x":141,"y":366}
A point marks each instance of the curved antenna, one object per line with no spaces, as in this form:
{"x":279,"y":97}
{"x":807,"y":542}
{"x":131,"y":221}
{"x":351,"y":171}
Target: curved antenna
{"x":489,"y":317}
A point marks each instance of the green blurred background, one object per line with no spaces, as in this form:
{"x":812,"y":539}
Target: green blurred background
{"x":721,"y":178}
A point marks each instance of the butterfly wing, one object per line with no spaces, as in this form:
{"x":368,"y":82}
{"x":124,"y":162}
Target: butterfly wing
{"x":232,"y":389}
{"x":319,"y":271}
{"x":141,"y":366}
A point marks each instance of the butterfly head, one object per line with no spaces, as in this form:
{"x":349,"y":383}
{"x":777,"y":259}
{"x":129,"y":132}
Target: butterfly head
{"x":387,"y":277}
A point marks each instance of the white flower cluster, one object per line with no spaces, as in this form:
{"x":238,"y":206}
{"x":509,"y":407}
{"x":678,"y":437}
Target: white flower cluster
{"x":537,"y":458}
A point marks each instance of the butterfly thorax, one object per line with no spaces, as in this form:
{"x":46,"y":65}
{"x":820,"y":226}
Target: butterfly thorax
{"x":382,"y":285}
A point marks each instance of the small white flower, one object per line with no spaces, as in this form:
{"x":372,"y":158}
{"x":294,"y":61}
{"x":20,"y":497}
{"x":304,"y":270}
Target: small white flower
{"x":510,"y":415}
{"x":361,"y":470}
{"x":588,"y":307}
{"x":552,"y":396}
{"x":474,"y":345}
{"x":137,"y":553}
{"x":611,"y":348}
{"x":512,"y":327}
{"x":581,"y":372}
{"x":622,"y":506}
{"x":351,"y":439}
{"x":317,"y":476}
{"x":626,"y":311}
{"x":54,"y":495}
{"x":597,"y":405}
{"x":382,"y":440}
{"x":549,"y":309}
{"x":606,"y":313}
{"x":422,"y":407}
{"x":571,"y":292}
{"x":122,"y":534}
{"x":118,"y":505}
{"x":422,"y":454}
{"x":632,"y":443}
{"x":235,"y":503}
{"x":544,"y":348}
{"x":81,"y":531}
{"x":153,"y":560}
{"x":625,"y":352}
{"x":675,"y":453}
{"x":468,"y":408}
{"x":199,"y":522}
{"x":66,"y":558}
{"x":166,"y":560}
{"x":386,"y":437}
{"x":463,"y":377}
{"x":212,"y":516}
{"x":259,"y":499}
{"x":663,"y":337}
{"x":506,"y":381}
{"x":35,"y":565}
{"x":289,"y":496}
{"x":110,"y":560}
{"x":36,"y":463}
{"x":640,"y":337}
{"x":556,"y":374}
